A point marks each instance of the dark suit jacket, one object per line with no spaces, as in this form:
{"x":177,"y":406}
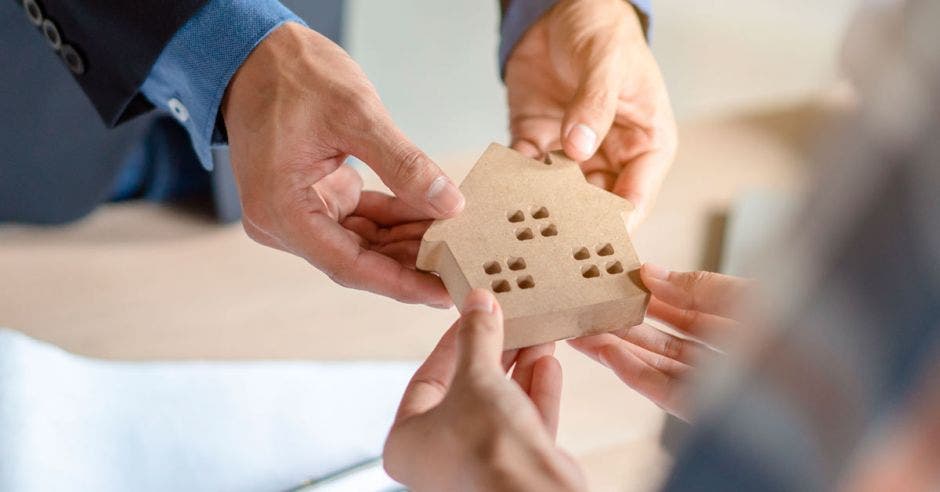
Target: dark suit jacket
{"x":58,"y":159}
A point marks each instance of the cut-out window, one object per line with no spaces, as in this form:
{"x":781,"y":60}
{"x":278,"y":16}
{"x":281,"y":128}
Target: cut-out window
{"x":605,"y":250}
{"x":516,"y":263}
{"x":525,"y":282}
{"x":581,"y":253}
{"x":500,"y":286}
{"x":549,"y":230}
{"x":515,"y":216}
{"x":590,"y":271}
{"x":524,"y":234}
{"x":614,"y":268}
{"x":539,"y":213}
{"x":492,"y":267}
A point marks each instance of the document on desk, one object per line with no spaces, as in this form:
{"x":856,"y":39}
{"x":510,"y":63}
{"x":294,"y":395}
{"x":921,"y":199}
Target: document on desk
{"x":73,"y":423}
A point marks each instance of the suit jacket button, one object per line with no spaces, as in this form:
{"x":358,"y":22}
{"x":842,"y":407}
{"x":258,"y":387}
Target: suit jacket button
{"x":33,"y":12}
{"x":72,"y":59}
{"x":51,"y":32}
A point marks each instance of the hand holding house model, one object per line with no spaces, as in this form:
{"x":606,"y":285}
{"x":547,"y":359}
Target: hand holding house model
{"x":553,"y":248}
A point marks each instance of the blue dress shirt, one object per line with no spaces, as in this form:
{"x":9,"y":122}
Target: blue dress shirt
{"x":190,"y":76}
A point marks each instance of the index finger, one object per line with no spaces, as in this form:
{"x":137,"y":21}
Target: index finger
{"x":333,"y":249}
{"x":431,"y":381}
{"x":387,"y":210}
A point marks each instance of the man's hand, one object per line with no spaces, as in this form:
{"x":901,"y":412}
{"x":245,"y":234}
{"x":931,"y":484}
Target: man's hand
{"x":583,"y":79}
{"x":656,"y":364}
{"x":462,"y":425}
{"x":294,"y":111}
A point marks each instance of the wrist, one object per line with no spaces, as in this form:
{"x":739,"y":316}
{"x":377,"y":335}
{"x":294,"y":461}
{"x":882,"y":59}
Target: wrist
{"x":506,"y":464}
{"x":254,"y":84}
{"x":194,"y":69}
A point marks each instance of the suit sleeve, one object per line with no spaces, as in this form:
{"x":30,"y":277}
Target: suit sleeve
{"x":110,"y":45}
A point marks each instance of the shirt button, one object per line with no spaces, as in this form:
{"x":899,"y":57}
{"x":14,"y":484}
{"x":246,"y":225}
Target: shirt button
{"x":51,"y":32}
{"x":179,"y":110}
{"x":33,"y":12}
{"x":72,"y":59}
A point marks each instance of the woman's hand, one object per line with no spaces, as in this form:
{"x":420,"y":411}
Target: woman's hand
{"x":463,"y":425}
{"x":699,"y":305}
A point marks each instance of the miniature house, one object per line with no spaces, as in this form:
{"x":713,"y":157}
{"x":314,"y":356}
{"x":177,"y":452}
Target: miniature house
{"x":552,"y":247}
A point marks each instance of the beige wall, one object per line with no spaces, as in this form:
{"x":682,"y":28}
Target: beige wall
{"x":732,"y":55}
{"x":433,"y":61}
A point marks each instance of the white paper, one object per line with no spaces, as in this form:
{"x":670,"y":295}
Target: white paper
{"x":72,"y":423}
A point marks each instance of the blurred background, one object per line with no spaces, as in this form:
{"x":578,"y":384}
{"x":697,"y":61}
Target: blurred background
{"x":434,"y":63}
{"x":750,"y":84}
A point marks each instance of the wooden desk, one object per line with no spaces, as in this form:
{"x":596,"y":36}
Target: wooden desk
{"x":142,"y":281}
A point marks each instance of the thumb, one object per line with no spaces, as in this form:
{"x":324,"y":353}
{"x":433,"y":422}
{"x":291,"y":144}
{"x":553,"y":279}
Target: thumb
{"x":407,"y":171}
{"x":591,"y":111}
{"x":480,"y":335}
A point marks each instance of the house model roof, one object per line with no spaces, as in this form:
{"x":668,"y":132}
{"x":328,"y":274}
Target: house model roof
{"x":552,"y":247}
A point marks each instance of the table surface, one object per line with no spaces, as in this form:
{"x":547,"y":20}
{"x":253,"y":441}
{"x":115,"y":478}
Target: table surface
{"x":141,"y":281}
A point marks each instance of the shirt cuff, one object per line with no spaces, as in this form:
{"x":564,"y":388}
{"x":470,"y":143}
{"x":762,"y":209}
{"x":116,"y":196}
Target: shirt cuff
{"x":190,"y":76}
{"x":521,"y":14}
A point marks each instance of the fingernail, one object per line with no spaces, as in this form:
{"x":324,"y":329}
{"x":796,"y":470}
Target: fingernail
{"x":655,"y":272}
{"x":444,"y":196}
{"x":583,"y":138}
{"x":478,"y":300}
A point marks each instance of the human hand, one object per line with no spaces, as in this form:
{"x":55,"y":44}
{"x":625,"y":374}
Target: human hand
{"x":462,"y":425}
{"x":656,"y":364}
{"x":583,"y":79}
{"x":294,"y":111}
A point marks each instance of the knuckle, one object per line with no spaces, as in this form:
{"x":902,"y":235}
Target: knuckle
{"x":476,"y":324}
{"x":688,"y":319}
{"x":596,"y":105}
{"x":254,"y":234}
{"x":672,"y":393}
{"x":660,"y":364}
{"x":342,"y":281}
{"x":389,"y":464}
{"x":352,"y":99}
{"x":474,"y":389}
{"x":672,"y":348}
{"x":410,"y":164}
{"x":664,"y":139}
{"x":669,"y":138}
{"x":693,"y":284}
{"x":490,"y":446}
{"x":436,"y":383}
{"x":253,"y":215}
{"x":339,"y":276}
{"x":359,"y":109}
{"x":646,"y":377}
{"x":256,"y":224}
{"x":393,"y":465}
